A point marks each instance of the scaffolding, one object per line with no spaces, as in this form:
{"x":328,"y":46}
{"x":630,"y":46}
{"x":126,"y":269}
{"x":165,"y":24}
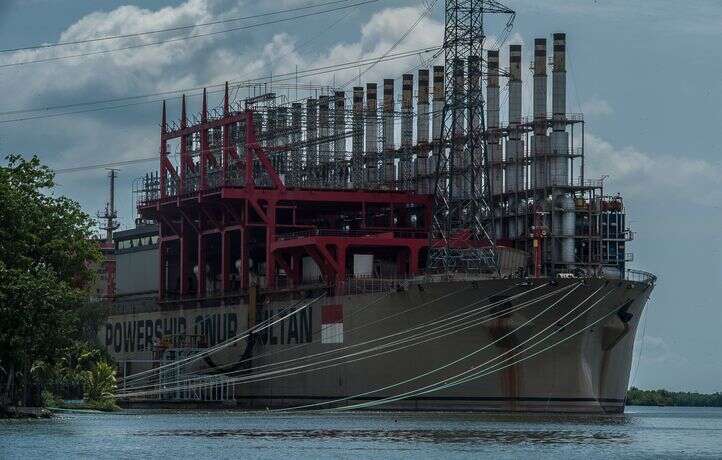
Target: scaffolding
{"x":268,"y":191}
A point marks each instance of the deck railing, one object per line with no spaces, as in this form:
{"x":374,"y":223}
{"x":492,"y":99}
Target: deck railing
{"x":641,"y":276}
{"x":359,"y":233}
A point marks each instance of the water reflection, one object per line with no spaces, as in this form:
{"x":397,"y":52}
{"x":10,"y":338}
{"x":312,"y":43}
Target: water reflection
{"x":430,"y":436}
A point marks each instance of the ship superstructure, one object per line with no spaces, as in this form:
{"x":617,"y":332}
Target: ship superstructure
{"x":376,"y":201}
{"x":269,"y":190}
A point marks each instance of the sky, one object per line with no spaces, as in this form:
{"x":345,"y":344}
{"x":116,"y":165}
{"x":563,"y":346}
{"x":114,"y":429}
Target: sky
{"x":645,"y":74}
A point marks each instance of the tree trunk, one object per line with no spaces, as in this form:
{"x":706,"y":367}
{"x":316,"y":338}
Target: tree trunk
{"x":9,"y":384}
{"x":26,"y":380}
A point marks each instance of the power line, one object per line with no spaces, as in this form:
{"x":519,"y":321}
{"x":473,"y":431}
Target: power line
{"x":170,"y":29}
{"x":120,"y":99}
{"x":187,"y":37}
{"x":105,"y":165}
{"x":289,"y":76}
{"x":295,"y":47}
{"x":424,"y":13}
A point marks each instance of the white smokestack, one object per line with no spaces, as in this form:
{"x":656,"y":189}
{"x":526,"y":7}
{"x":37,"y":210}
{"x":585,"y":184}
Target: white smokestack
{"x":407,"y":130}
{"x":437,"y":119}
{"x":540,"y":141}
{"x":559,"y":136}
{"x":492,"y":122}
{"x":357,"y":141}
{"x":388,"y":133}
{"x":422,"y":132}
{"x":371,"y":156}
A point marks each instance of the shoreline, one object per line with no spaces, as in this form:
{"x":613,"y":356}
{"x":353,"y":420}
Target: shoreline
{"x":14,"y":412}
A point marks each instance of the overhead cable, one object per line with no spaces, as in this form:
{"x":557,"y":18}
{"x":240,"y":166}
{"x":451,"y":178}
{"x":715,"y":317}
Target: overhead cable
{"x":187,"y":37}
{"x":286,"y":77}
{"x":169,"y":29}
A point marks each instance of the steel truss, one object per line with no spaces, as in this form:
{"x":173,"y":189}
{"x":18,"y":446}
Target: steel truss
{"x":462,"y":236}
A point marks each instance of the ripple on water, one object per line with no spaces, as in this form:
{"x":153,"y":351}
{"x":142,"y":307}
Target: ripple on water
{"x":431,"y":436}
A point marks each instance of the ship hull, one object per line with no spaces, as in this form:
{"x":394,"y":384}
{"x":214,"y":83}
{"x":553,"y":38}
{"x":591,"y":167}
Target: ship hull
{"x":487,"y":345}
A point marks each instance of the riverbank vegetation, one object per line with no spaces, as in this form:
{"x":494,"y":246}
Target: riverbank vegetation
{"x":637,"y":397}
{"x":47,"y":252}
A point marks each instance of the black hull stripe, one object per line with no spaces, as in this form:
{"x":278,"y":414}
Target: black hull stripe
{"x":442,"y":398}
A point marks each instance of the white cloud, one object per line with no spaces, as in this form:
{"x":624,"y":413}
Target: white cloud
{"x":215,"y":59}
{"x":117,"y":73}
{"x":667,"y":178}
{"x":597,"y":106}
{"x":656,"y":350}
{"x":378,"y":35}
{"x":98,"y":137}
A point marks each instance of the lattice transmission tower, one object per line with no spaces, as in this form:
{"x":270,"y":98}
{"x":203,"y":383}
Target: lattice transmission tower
{"x":462,"y":237}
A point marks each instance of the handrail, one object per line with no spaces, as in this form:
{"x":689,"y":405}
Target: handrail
{"x":641,"y":276}
{"x":350,"y":233}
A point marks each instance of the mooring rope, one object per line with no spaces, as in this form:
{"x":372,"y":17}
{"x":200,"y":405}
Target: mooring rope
{"x":301,"y":345}
{"x":481,"y":372}
{"x":273,"y":374}
{"x":269,"y":375}
{"x":227,"y":343}
{"x":495,"y":368}
{"x":330,"y":351}
{"x":433,"y":371}
{"x":579,"y":331}
{"x":458,"y":378}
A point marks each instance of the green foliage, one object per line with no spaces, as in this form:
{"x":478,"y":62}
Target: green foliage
{"x":78,"y":368}
{"x":637,"y":397}
{"x":50,"y":400}
{"x":100,"y":383}
{"x":106,"y":405}
{"x":39,"y":230}
{"x":46,"y":248}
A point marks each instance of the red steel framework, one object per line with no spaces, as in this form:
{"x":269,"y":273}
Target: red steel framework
{"x":219,"y":225}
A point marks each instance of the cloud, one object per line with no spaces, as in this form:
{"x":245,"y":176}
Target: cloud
{"x":114,"y":74}
{"x":105,"y":136}
{"x":378,"y":35}
{"x":100,"y":137}
{"x":653,"y":176}
{"x":656,"y":350}
{"x":596,"y":106}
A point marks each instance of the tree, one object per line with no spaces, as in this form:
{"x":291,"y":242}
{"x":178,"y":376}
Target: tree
{"x":46,"y":249}
{"x":100,"y":383}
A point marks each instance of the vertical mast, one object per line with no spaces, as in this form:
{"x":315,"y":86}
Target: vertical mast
{"x":110,"y":215}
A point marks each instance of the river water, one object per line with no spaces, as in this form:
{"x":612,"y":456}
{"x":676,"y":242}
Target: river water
{"x":643,"y":432}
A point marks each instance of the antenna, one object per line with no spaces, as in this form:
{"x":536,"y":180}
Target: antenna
{"x":110,"y":215}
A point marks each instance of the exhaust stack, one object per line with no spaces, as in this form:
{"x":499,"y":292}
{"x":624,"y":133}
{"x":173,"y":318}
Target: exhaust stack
{"x":407,"y":131}
{"x":566,"y":221}
{"x":388,"y":133}
{"x":339,"y":130}
{"x":437,"y":109}
{"x":473,"y":160}
{"x":311,"y":138}
{"x":457,"y":144}
{"x":371,"y":156}
{"x":559,"y":136}
{"x":357,"y":138}
{"x":492,"y":122}
{"x":296,"y":161}
{"x":324,"y":154}
{"x":514,"y":170}
{"x":540,"y":141}
{"x":422,"y":133}
{"x":282,"y":141}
